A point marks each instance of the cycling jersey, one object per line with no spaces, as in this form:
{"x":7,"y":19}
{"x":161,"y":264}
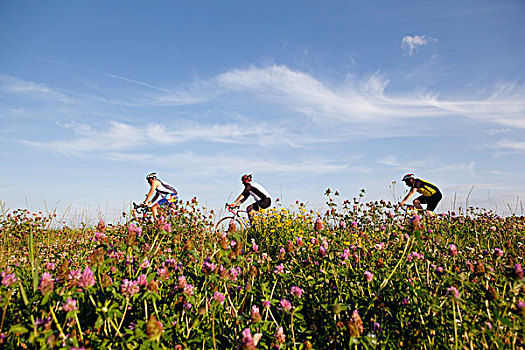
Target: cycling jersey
{"x":254,"y":189}
{"x":164,"y":194}
{"x":425,"y":188}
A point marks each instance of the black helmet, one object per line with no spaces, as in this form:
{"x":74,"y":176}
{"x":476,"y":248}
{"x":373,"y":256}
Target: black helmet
{"x":246,"y":178}
{"x":151,"y":176}
{"x":408,"y":176}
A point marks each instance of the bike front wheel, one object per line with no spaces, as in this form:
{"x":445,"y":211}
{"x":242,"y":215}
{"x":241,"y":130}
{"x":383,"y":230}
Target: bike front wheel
{"x":229,"y":224}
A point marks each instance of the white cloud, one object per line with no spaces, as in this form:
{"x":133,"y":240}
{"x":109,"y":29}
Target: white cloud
{"x":411,"y":43}
{"x":365,"y":102}
{"x":235,"y":164}
{"x":120,"y":136}
{"x":515,"y":146}
{"x":32,"y":89}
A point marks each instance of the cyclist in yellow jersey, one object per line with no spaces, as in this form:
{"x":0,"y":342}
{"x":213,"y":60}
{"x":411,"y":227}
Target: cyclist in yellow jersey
{"x":430,"y":194}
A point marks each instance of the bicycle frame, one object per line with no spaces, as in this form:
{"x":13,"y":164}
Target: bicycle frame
{"x":233,"y":221}
{"x":144,"y":213}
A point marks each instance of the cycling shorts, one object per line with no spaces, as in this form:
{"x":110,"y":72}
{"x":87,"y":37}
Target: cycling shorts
{"x":431,"y":201}
{"x":170,"y":198}
{"x":261,"y":204}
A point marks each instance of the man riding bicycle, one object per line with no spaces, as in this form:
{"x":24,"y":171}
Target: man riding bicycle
{"x":259,"y":193}
{"x":160,"y":193}
{"x":430,"y":194}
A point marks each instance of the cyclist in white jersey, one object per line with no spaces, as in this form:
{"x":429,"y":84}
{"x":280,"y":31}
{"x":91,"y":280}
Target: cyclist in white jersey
{"x":160,"y":193}
{"x":259,"y":193}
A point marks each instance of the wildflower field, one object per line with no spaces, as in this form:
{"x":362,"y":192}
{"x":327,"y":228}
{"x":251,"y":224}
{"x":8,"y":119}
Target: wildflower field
{"x":354,"y":276}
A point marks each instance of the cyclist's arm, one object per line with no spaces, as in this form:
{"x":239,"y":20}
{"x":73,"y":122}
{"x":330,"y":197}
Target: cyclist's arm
{"x":239,"y":200}
{"x":408,"y":196}
{"x":151,"y":192}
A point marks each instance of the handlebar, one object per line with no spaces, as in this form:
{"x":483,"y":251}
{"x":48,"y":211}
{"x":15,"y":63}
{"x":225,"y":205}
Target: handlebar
{"x":140,"y":208}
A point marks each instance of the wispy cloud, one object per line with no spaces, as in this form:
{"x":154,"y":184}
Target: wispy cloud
{"x":137,"y":82}
{"x":411,"y":43}
{"x":234,"y":164}
{"x":512,"y":146}
{"x":118,"y":136}
{"x":365,"y":102}
{"x":12,"y":85}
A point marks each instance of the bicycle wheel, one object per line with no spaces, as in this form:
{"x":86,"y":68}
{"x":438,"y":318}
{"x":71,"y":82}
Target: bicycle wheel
{"x":228,"y":224}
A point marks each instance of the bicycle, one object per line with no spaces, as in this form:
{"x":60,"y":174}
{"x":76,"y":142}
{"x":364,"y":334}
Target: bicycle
{"x":409,"y":211}
{"x":234,"y":221}
{"x":145,"y":214}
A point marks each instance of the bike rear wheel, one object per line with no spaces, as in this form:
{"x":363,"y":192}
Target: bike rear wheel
{"x":228,"y":224}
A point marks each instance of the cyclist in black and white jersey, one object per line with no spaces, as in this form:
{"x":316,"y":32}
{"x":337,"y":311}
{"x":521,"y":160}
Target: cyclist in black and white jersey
{"x":160,"y":193}
{"x":259,"y":193}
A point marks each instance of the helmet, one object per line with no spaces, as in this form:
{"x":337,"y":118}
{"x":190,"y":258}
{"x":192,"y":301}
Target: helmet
{"x":408,"y":176}
{"x":246,"y":178}
{"x":151,"y":176}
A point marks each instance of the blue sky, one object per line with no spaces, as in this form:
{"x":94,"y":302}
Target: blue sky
{"x":305,"y":95}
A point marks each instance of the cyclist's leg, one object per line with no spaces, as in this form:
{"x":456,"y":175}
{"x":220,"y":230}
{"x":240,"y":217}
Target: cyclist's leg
{"x":432,"y":203}
{"x":156,"y":206}
{"x":418,"y":201}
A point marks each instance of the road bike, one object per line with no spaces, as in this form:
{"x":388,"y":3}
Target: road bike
{"x":141,"y":214}
{"x":235,"y":220}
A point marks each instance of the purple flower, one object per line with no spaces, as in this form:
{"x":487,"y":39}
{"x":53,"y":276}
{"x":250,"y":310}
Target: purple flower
{"x":142,"y":280}
{"x":454,"y":292}
{"x":415,"y":221}
{"x":129,"y":288}
{"x":345,"y":254}
{"x":299,"y":241}
{"x":266,"y":303}
{"x":279,"y":336}
{"x":255,"y":314}
{"x":453,"y":250}
{"x":8,"y":279}
{"x":135,"y":229}
{"x":318,"y":224}
{"x":50,"y":266}
{"x":279,"y":269}
{"x":70,"y":305}
{"x":182,"y":281}
{"x":376,"y":327}
{"x":166,"y":227}
{"x":219,"y":297}
{"x":99,"y":236}
{"x":255,"y":247}
{"x":368,"y":276}
{"x":188,"y":290}
{"x":415,"y":255}
{"x":498,"y":252}
{"x":286,"y":305}
{"x":163,"y":272}
{"x":88,"y":279}
{"x":355,"y":224}
{"x":187,"y":305}
{"x":322,"y":251}
{"x":342,"y":224}
{"x":234,"y":272}
{"x":405,"y":301}
{"x":439,"y":270}
{"x":247,"y":340}
{"x":208,"y":266}
{"x":145,"y":264}
{"x":46,"y":284}
{"x":296,"y":291}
